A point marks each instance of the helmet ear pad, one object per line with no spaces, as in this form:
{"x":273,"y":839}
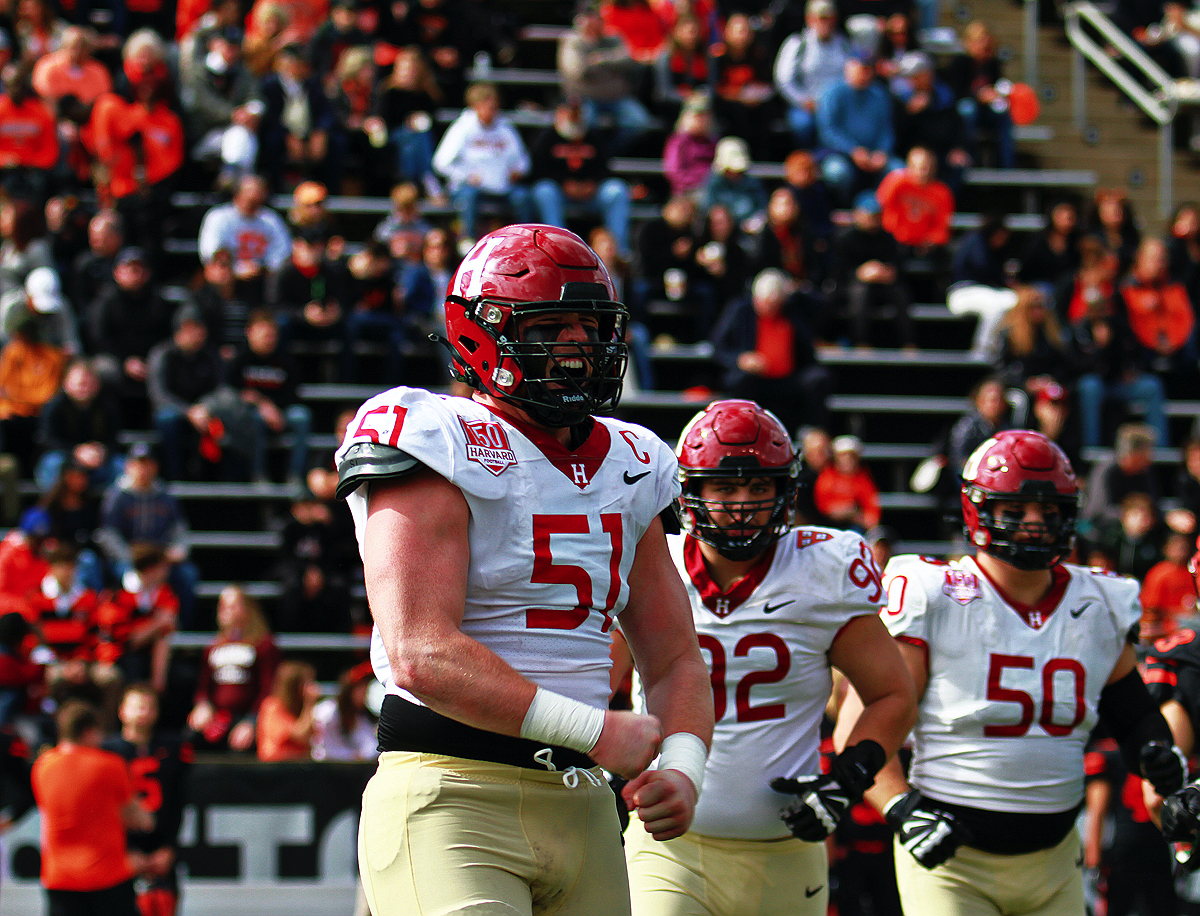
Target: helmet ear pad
{"x":736,"y":439}
{"x":1019,"y":466}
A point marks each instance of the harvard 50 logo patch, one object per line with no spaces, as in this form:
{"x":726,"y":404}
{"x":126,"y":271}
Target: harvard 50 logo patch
{"x":963,"y":587}
{"x":487,"y":444}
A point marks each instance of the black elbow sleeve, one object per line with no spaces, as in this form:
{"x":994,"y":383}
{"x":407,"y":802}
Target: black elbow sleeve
{"x":1132,"y":718}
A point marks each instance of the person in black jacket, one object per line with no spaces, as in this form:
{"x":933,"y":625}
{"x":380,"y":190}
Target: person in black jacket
{"x":764,"y":346}
{"x":264,"y":375}
{"x":80,"y":425}
{"x":297,"y":122}
{"x":869,"y":275}
{"x":973,"y":75}
{"x":92,"y":269}
{"x":308,"y":293}
{"x":573,"y":168}
{"x":182,"y":371}
{"x":128,"y":318}
{"x":1112,"y":366}
{"x":667,"y":267}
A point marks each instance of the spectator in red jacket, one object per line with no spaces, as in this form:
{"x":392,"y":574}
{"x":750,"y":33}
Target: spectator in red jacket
{"x":28,"y":137}
{"x":236,"y":675}
{"x":844,"y":491}
{"x":1168,"y":593}
{"x":159,"y":154}
{"x":916,"y":206}
{"x":1159,"y":310}
{"x":636,"y":21}
{"x":22,"y":565}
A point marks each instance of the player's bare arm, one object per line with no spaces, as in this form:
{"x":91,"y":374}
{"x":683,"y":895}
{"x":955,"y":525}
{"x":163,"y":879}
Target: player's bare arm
{"x":890,"y":781}
{"x":416,"y":564}
{"x":657,"y":623}
{"x":868,"y":655}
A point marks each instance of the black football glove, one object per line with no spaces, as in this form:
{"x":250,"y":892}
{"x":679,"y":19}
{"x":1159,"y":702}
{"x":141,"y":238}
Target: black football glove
{"x":1181,"y":814}
{"x":1165,"y":766}
{"x":823,"y":801}
{"x":930,"y":834}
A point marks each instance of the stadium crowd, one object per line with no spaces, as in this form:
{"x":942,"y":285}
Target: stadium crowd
{"x":111,"y":386}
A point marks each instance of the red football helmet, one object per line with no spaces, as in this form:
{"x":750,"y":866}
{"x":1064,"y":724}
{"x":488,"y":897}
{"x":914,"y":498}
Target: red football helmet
{"x":1019,"y":465}
{"x":528,"y":270}
{"x":737,"y":439}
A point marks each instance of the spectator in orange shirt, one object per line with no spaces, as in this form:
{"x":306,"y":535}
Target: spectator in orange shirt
{"x":844,"y":491}
{"x":1168,"y":592}
{"x":285,"y":719}
{"x":28,"y":137}
{"x":916,"y":206}
{"x":30,"y":372}
{"x":71,"y":70}
{"x":1159,"y":310}
{"x":138,"y":619}
{"x":86,"y":800}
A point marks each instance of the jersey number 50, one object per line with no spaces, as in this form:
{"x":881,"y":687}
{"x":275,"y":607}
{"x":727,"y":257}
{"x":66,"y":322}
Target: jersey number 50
{"x":1054,"y":667}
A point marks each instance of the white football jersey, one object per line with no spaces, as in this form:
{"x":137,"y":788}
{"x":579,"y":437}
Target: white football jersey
{"x":767,"y":645}
{"x":1013,"y":691}
{"x":552,"y":533}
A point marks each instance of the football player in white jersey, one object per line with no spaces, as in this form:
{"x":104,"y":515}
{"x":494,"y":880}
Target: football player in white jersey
{"x":501,"y":536}
{"x":774,"y":607}
{"x":1015,"y":656}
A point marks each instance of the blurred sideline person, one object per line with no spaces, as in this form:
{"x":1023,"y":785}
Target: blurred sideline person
{"x":501,"y":535}
{"x":756,"y":847}
{"x":159,"y":764}
{"x":1015,"y":656}
{"x":87,"y":801}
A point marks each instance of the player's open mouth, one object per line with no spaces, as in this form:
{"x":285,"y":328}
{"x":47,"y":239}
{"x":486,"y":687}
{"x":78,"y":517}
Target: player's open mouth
{"x":575,"y":367}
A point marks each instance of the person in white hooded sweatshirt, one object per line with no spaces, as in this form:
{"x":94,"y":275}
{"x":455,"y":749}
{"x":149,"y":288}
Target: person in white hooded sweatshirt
{"x":481,"y":156}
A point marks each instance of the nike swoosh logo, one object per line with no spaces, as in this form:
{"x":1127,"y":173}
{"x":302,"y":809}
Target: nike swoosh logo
{"x":634,"y":478}
{"x":1077,"y":612}
{"x":771,"y":609}
{"x":813,"y":891}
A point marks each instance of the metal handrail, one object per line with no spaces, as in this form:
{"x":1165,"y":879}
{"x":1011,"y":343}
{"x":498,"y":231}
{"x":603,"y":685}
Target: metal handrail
{"x":1030,"y":43}
{"x":1160,"y":105}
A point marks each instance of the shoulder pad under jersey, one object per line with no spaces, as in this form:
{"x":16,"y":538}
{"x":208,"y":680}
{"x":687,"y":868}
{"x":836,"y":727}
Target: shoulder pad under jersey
{"x":371,"y":460}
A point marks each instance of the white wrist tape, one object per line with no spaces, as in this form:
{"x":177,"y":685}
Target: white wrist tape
{"x":686,"y":753}
{"x":556,"y":719}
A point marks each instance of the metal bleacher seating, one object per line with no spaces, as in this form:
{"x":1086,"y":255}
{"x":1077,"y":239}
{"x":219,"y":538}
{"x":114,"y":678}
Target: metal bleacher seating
{"x":896,"y":401}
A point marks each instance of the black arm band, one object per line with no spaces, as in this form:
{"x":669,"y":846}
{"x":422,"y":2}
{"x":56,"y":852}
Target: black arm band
{"x":365,"y":461}
{"x":1132,"y":717}
{"x":856,"y":766}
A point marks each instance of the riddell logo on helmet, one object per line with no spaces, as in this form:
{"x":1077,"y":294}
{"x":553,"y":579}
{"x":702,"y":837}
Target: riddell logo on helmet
{"x":487,"y":444}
